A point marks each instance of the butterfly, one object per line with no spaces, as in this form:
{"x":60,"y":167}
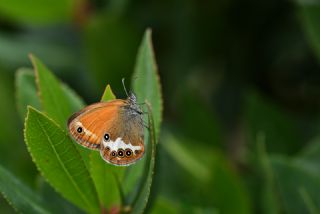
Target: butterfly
{"x":116,"y":128}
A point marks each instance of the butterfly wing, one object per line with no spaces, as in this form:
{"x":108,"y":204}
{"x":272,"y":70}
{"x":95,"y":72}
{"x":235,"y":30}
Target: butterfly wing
{"x":124,"y":143}
{"x":88,"y":125}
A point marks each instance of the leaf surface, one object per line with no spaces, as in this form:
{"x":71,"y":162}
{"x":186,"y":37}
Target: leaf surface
{"x":55,"y":102}
{"x":142,"y":198}
{"x":59,"y":161}
{"x":26,"y":91}
{"x":146,"y":81}
{"x":20,"y":196}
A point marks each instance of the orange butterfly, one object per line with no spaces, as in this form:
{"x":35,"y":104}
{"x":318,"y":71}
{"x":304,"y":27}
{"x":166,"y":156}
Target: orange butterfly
{"x":115,"y":128}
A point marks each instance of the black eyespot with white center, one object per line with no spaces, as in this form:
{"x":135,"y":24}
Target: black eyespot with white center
{"x":128,"y":152}
{"x":106,"y":137}
{"x":113,"y":153}
{"x":120,"y":153}
{"x":79,"y":129}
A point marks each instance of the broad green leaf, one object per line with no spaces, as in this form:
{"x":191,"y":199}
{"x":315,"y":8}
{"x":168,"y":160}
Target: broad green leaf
{"x":26,"y":91}
{"x":53,"y":99}
{"x":57,"y":99}
{"x":74,"y":100}
{"x":146,"y":81}
{"x":40,"y":12}
{"x":21,"y":196}
{"x":59,"y":161}
{"x":140,"y":202}
{"x":106,"y":177}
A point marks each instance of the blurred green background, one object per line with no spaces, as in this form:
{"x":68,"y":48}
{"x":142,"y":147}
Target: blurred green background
{"x":241,"y":89}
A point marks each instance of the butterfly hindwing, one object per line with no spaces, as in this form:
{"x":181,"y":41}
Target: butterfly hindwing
{"x":122,"y":143}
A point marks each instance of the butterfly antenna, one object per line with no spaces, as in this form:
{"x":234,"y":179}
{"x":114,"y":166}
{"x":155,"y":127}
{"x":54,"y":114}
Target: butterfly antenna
{"x":124,"y":86}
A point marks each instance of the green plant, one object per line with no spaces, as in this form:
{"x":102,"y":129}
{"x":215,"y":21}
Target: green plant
{"x":78,"y":174}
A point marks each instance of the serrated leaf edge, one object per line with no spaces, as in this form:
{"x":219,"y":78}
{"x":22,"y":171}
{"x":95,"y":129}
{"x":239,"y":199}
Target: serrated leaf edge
{"x":34,"y":160}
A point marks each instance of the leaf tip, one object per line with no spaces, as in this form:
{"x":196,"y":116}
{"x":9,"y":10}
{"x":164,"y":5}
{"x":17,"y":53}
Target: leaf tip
{"x":108,"y":94}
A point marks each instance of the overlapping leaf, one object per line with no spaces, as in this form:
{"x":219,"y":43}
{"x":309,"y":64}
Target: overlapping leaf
{"x":59,"y":161}
{"x":55,"y":102}
{"x":145,"y":80}
{"x":26,"y":92}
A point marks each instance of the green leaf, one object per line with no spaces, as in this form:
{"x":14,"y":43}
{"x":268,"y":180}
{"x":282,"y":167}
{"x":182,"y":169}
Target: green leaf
{"x":54,"y":100}
{"x":146,"y":81}
{"x":19,"y":195}
{"x":104,"y":175}
{"x":26,"y":91}
{"x":74,"y":100}
{"x":57,"y":99}
{"x":108,"y":94}
{"x":146,"y":85}
{"x":59,"y":161}
{"x":40,"y":12}
{"x":141,"y":200}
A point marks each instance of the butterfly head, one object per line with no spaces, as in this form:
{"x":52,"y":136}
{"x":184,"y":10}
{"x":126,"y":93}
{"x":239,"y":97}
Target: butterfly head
{"x":132,"y":104}
{"x":132,"y":98}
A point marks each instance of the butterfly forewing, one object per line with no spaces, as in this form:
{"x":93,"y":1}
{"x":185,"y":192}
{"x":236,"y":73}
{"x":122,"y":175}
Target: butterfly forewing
{"x":86,"y":126}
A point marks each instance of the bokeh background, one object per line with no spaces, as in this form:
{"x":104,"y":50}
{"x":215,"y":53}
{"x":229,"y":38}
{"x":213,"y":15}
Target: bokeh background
{"x":241,"y":89}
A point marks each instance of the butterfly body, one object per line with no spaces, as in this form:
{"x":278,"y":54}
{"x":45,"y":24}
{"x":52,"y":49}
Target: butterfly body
{"x":115,"y":128}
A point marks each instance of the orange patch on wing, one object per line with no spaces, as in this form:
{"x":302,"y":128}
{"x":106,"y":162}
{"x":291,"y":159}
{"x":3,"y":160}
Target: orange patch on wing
{"x":95,"y":120}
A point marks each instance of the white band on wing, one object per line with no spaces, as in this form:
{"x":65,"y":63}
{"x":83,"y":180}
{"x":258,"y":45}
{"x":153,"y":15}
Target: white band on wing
{"x":119,"y":144}
{"x":86,"y":131}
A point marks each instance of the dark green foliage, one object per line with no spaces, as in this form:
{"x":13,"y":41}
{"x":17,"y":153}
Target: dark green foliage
{"x":233,"y":126}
